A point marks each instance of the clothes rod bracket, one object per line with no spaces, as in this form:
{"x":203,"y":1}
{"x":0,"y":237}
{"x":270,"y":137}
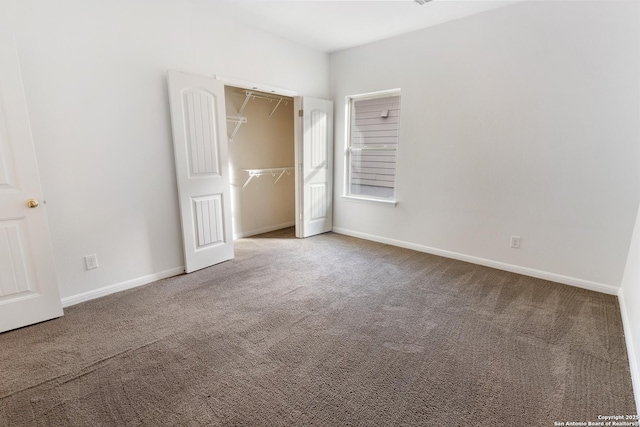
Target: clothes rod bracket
{"x":239,"y":121}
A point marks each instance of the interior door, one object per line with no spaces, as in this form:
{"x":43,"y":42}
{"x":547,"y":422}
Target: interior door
{"x":314,"y":157}
{"x":198,"y":119}
{"x":28,"y":287}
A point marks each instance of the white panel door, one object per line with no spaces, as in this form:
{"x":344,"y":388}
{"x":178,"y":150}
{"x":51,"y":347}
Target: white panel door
{"x":28,"y":286}
{"x":314,"y":155}
{"x":202,"y":168}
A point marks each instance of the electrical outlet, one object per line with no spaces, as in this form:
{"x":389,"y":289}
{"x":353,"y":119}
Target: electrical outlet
{"x":515,"y":242}
{"x":91,"y":261}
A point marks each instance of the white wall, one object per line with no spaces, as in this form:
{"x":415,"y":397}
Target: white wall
{"x":94,"y":75}
{"x":520,"y":121}
{"x":630,"y":307}
{"x":263,"y":142}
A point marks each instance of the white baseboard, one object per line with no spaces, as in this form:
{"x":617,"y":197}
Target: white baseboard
{"x":97,"y":293}
{"x":631,"y":354}
{"x":244,"y":234}
{"x":580,"y":283}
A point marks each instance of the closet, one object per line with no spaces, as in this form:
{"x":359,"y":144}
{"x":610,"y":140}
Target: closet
{"x":260,"y":128}
{"x":235,"y":153}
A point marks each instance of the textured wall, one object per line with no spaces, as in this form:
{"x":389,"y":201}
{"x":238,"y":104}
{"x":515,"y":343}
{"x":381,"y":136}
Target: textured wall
{"x":95,"y":81}
{"x":520,"y":121}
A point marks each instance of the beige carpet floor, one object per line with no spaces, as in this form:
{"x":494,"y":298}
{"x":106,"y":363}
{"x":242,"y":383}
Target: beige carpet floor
{"x":326,"y":331}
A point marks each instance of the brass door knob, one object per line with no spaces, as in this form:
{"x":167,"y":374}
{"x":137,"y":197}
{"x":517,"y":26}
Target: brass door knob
{"x":32,"y":203}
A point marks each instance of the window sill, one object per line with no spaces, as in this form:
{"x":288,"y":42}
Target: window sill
{"x":371,"y":200}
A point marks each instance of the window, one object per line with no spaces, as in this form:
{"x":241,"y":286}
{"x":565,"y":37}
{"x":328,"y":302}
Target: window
{"x":373,"y":125}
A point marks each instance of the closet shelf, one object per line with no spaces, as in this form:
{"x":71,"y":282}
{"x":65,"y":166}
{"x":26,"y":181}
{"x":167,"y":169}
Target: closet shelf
{"x":270,"y":171}
{"x":239,"y":121}
{"x":253,"y":95}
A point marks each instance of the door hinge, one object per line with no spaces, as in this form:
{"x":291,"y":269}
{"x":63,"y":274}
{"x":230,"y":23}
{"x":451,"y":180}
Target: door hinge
{"x":300,"y":113}
{"x":301,"y":218}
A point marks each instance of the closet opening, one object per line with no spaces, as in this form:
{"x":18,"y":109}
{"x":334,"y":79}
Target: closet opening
{"x":261,"y":135}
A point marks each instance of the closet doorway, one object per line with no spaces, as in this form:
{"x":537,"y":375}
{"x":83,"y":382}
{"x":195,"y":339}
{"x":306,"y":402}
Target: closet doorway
{"x":206,"y":175}
{"x":261,"y":135}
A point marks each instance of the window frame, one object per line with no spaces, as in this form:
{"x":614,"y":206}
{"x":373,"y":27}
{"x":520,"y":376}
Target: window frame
{"x":349,"y":102}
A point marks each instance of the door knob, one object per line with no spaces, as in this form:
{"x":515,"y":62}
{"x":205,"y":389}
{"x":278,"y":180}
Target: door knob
{"x":32,"y":203}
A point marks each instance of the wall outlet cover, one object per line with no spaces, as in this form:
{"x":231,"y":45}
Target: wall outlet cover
{"x":91,"y":261}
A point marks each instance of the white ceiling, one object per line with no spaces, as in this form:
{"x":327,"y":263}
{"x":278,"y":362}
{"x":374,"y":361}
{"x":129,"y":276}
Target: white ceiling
{"x":331,"y":25}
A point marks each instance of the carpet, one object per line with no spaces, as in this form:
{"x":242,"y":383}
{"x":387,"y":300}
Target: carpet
{"x":325,"y":331}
